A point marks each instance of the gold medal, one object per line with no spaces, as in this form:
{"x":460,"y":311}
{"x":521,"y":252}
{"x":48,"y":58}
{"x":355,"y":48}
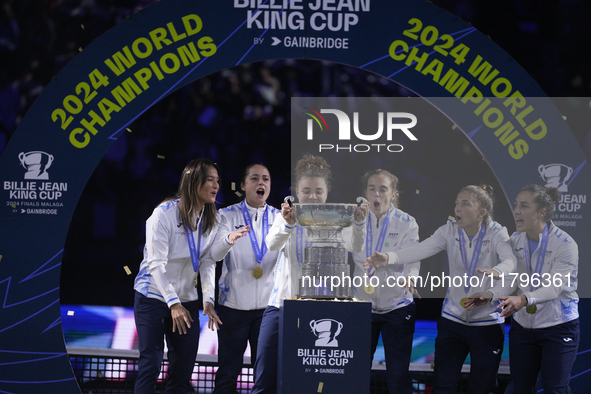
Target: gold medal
{"x":195,"y":280}
{"x":531,"y":309}
{"x":257,"y":272}
{"x":462,"y":302}
{"x":369,"y":289}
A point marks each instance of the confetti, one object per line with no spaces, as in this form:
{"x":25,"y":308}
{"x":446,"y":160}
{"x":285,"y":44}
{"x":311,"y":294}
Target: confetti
{"x":320,"y":386}
{"x":128,"y":129}
{"x":70,"y":313}
{"x":233,"y":186}
{"x":0,"y":257}
{"x":417,"y":191}
{"x":455,"y":126}
{"x":82,"y":26}
{"x":80,"y":49}
{"x":160,"y":157}
{"x":451,"y":218}
{"x":127,"y":270}
{"x":563,"y":117}
{"x":239,"y":194}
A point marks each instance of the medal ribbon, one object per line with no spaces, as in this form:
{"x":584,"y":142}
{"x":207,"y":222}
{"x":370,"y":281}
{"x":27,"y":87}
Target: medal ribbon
{"x":381,"y":238}
{"x":258,"y":251}
{"x":195,"y":252}
{"x":475,"y":255}
{"x":541,"y":255}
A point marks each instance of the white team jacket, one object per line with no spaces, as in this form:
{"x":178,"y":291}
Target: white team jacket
{"x":166,"y":272}
{"x":495,"y":246}
{"x":556,"y":298}
{"x":288,"y":271}
{"x":239,"y":289}
{"x":402,"y":232}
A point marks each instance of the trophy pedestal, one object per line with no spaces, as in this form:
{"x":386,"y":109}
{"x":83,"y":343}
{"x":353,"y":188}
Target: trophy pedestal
{"x":324,"y":347}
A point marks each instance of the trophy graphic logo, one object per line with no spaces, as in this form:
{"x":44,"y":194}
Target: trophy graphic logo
{"x":556,"y":175}
{"x":36,"y":163}
{"x":326,"y":330}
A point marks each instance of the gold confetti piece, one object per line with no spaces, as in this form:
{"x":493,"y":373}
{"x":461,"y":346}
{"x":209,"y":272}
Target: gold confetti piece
{"x":0,"y":257}
{"x":80,"y":49}
{"x":128,"y":129}
{"x":455,"y":126}
{"x":238,"y":194}
{"x":451,"y":218}
{"x":417,"y":191}
{"x":233,"y":185}
{"x":563,"y":117}
{"x":160,"y":157}
{"x":70,"y":313}
{"x":320,"y":386}
{"x":100,"y":374}
{"x":82,"y":26}
{"x":127,"y":270}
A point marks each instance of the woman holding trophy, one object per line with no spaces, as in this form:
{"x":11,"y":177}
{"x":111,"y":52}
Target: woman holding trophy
{"x":312,"y":184}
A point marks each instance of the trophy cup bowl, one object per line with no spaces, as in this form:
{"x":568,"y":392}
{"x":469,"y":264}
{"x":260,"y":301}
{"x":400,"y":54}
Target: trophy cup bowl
{"x":324,"y":215}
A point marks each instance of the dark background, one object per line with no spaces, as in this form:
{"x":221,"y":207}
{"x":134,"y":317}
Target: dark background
{"x":242,"y":115}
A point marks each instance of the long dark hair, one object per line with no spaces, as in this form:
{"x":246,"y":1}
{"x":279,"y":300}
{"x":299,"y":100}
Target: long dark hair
{"x":544,"y":197}
{"x":193,"y":177}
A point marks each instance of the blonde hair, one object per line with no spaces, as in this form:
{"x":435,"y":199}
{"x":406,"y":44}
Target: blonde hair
{"x":393,"y":182}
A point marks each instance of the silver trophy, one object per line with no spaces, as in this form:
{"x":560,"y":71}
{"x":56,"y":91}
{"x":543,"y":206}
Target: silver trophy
{"x":325,"y":268}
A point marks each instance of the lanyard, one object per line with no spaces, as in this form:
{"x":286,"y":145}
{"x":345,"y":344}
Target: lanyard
{"x":258,"y":251}
{"x":381,"y":238}
{"x":475,"y":255}
{"x":541,"y":255}
{"x":195,"y":252}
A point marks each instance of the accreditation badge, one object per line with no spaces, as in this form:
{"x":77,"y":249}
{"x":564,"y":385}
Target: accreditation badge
{"x":257,"y":272}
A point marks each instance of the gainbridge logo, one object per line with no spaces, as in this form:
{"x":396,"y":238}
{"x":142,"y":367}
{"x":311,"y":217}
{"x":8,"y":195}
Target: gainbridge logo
{"x":389,"y":122}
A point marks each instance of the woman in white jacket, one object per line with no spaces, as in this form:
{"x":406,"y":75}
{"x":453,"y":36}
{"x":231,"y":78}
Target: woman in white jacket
{"x":393,"y":308}
{"x":313,"y":182}
{"x":247,"y":275}
{"x":477,"y":248}
{"x":545,"y":331}
{"x":179,"y":236}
